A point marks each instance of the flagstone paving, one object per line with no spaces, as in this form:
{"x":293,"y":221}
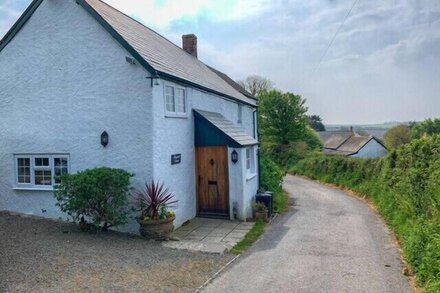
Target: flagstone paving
{"x":209,"y":235}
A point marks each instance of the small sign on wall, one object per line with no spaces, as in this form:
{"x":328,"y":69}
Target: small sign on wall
{"x":176,"y":159}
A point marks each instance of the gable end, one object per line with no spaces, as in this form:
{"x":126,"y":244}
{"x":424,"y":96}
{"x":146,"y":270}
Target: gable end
{"x":19,"y":23}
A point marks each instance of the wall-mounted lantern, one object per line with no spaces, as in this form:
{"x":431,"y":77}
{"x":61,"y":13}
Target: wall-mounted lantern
{"x":104,"y":139}
{"x":154,"y":79}
{"x":234,"y":156}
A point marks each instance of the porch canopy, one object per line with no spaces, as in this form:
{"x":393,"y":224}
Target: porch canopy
{"x":213,"y":129}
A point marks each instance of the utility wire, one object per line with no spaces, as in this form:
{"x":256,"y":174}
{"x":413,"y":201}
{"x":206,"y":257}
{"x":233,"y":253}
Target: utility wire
{"x":334,"y":36}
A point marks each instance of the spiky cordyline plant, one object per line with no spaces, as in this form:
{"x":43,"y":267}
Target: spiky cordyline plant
{"x":150,"y":200}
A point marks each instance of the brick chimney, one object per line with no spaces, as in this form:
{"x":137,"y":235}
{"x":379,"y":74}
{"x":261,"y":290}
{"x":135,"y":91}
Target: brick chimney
{"x":189,"y":44}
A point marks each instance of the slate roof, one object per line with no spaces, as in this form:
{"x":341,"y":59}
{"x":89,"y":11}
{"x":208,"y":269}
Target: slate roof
{"x":232,"y":83}
{"x":163,"y":55}
{"x":154,"y":52}
{"x":229,"y":128}
{"x":337,"y":139}
{"x":349,"y":146}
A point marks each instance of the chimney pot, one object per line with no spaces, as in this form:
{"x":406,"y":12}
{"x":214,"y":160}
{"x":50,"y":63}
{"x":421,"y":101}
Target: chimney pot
{"x":189,"y":44}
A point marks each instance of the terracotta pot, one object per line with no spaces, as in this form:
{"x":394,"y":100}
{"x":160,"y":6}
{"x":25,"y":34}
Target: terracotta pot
{"x":156,"y":229}
{"x":262,"y":215}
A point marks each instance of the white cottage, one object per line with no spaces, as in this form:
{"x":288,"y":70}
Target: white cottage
{"x":73,"y":71}
{"x":347,"y":143}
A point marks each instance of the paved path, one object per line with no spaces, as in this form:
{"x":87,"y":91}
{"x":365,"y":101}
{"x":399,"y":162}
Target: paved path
{"x":329,"y":242}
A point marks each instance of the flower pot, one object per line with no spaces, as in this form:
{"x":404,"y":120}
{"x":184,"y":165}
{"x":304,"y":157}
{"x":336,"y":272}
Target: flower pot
{"x":156,"y":229}
{"x":262,"y":215}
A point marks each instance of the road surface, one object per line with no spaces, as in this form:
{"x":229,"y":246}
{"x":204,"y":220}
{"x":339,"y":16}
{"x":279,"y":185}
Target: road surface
{"x":328,"y":242}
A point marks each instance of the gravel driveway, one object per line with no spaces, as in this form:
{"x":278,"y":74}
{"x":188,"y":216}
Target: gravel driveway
{"x":44,"y":255}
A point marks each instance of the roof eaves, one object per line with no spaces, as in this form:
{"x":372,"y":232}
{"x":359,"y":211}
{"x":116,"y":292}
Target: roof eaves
{"x":250,"y":142}
{"x":19,"y":23}
{"x":187,"y":82}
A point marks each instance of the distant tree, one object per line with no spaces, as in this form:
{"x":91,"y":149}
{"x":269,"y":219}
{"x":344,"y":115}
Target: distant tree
{"x":397,"y":136}
{"x":256,"y":84}
{"x":426,"y":127}
{"x":316,"y":123}
{"x":282,"y":116}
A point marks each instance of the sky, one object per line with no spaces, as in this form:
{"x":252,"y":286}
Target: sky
{"x":383,"y":64}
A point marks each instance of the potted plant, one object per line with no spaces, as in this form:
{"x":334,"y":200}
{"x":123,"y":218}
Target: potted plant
{"x":156,"y":216}
{"x":260,"y":211}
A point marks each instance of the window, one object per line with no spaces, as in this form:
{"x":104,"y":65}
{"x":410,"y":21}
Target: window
{"x":248,"y":159}
{"x":180,"y":101}
{"x":169,"y":99}
{"x":40,"y":171}
{"x":240,"y":114}
{"x":24,"y":170}
{"x":175,"y":101}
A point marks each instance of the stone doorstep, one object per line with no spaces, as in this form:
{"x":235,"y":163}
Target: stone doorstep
{"x":216,"y":248}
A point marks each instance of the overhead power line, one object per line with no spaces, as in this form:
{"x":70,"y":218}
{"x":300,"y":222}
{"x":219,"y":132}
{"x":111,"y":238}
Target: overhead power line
{"x":335,"y":35}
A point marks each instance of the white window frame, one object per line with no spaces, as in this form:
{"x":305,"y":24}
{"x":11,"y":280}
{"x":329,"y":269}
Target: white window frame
{"x":176,"y":112}
{"x":250,"y":163}
{"x":240,"y":114}
{"x":33,"y":168}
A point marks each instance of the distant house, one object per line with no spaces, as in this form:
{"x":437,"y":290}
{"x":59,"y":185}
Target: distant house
{"x":347,"y":143}
{"x":74,"y":71}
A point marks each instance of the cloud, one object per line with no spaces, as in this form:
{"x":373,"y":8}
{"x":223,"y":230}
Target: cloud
{"x":162,"y":14}
{"x":383,"y":65}
{"x":10,"y":11}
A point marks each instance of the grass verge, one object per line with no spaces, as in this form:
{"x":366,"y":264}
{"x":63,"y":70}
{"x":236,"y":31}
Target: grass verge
{"x":280,"y":201}
{"x":250,"y":238}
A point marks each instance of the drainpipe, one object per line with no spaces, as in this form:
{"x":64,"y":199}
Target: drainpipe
{"x":257,"y":136}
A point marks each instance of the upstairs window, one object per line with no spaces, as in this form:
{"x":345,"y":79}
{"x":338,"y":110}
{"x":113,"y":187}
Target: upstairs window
{"x":40,"y":171}
{"x":175,"y":101}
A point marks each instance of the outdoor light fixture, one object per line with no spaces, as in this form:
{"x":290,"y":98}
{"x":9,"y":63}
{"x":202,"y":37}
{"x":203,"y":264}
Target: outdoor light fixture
{"x":154,"y":79}
{"x":234,"y":156}
{"x":130,"y":60}
{"x":104,"y":139}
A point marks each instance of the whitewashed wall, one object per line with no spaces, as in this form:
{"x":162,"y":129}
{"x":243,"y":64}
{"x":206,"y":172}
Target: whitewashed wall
{"x":63,"y":81}
{"x":176,"y":136}
{"x":372,"y":149}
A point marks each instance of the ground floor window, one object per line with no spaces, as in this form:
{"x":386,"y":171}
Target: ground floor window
{"x":250,"y":160}
{"x":40,"y":171}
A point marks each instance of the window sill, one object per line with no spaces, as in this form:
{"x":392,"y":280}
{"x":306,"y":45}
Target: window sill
{"x":181,"y":116}
{"x":251,"y":176}
{"x":33,"y":188}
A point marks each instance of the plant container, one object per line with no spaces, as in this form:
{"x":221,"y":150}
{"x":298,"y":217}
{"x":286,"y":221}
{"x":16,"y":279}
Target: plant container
{"x":262,"y":215}
{"x":156,"y":229}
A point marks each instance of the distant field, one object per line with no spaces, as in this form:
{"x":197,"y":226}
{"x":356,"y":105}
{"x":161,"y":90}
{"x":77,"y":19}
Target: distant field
{"x":387,"y":125}
{"x":377,"y":130}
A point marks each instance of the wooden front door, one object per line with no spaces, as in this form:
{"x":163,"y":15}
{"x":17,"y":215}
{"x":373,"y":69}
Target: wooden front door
{"x":212,"y":181}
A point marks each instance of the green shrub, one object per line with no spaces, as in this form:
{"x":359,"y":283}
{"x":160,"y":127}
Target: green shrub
{"x":406,"y":188}
{"x":98,"y":195}
{"x":271,"y":180}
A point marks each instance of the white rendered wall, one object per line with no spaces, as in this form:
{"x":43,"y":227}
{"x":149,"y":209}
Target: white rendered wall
{"x":63,"y":81}
{"x":176,"y":136}
{"x":372,"y":149}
